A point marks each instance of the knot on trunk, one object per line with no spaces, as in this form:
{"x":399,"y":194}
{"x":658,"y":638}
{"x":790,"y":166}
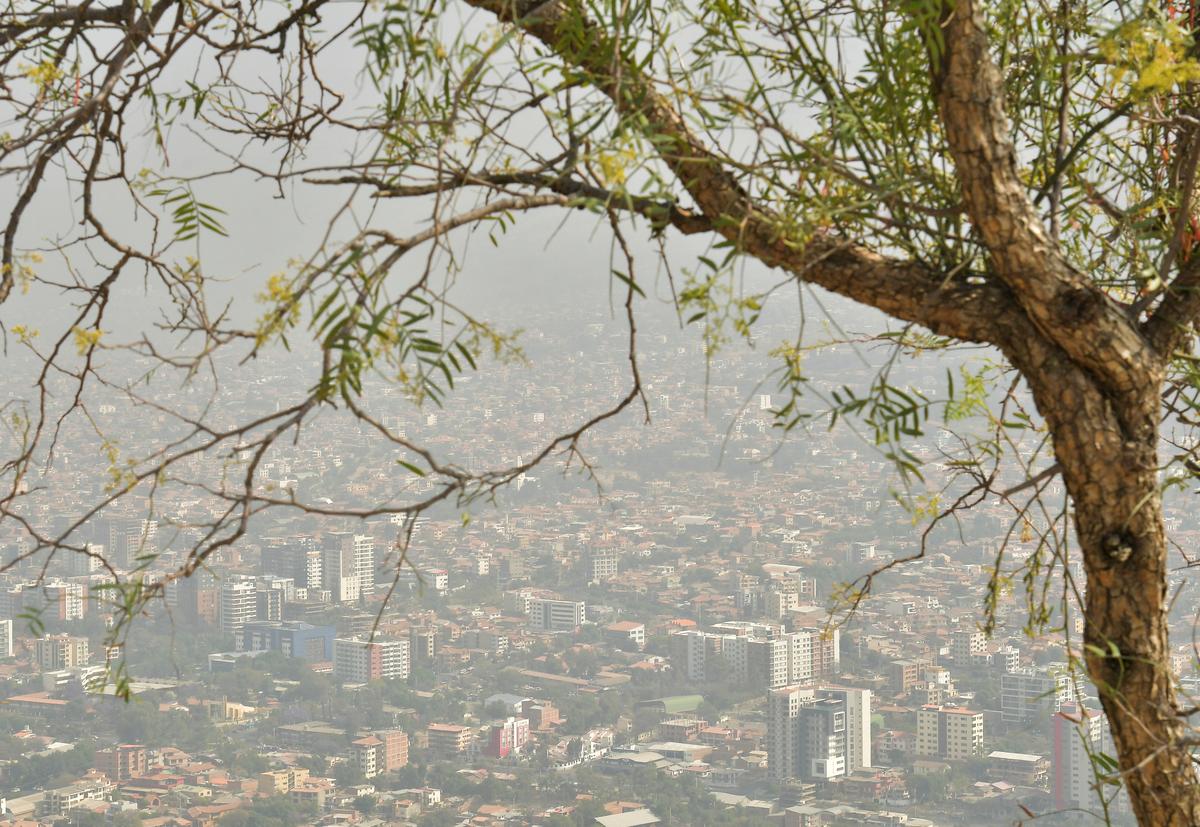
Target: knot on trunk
{"x":1118,"y":547}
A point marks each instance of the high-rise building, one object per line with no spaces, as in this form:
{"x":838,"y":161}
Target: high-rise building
{"x":81,"y":564}
{"x":779,"y":602}
{"x":785,"y":737}
{"x":198,"y":597}
{"x":6,"y":638}
{"x":348,"y":565}
{"x":361,"y":661}
{"x":757,"y":655}
{"x":556,"y":615}
{"x":826,"y":652}
{"x":131,"y":541}
{"x":1077,"y":733}
{"x":55,"y":652}
{"x":758,"y":662}
{"x":296,"y":560}
{"x":268,"y":604}
{"x":237,"y":605}
{"x":602,"y":564}
{"x":818,"y":733}
{"x":949,"y":732}
{"x":1028,"y":695}
{"x":65,"y":601}
{"x":806,"y":735}
{"x":824,"y":724}
{"x":423,"y":642}
{"x":393,"y":755}
{"x":858,"y":723}
{"x":689,"y":652}
{"x":13,"y":598}
{"x":966,"y":644}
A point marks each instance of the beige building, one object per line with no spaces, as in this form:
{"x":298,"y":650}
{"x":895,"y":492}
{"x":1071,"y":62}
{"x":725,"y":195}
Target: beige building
{"x":281,"y":782}
{"x":448,"y":740}
{"x":61,"y":652}
{"x":951,"y":732}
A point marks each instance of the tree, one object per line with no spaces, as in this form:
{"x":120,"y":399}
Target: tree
{"x":1019,"y":177}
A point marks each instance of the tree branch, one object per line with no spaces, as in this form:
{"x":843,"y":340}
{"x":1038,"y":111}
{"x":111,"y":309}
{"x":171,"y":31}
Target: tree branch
{"x":1062,"y":303}
{"x":909,"y":291}
{"x":1171,"y":324}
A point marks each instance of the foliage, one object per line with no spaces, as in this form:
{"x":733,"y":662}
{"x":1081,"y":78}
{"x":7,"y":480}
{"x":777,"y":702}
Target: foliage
{"x":1016,"y":174}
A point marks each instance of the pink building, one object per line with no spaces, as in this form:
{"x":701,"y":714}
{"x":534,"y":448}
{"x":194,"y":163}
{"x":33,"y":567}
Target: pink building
{"x":507,"y":737}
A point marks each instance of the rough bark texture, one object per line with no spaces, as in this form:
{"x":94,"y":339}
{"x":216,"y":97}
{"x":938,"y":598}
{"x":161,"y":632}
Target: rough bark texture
{"x":1095,"y":373}
{"x":1096,"y":379}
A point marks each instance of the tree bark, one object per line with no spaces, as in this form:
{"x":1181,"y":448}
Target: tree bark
{"x":1096,"y":376}
{"x":1113,"y":482}
{"x":1128,"y":651}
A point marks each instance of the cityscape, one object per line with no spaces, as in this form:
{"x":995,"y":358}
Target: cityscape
{"x":648,"y":640}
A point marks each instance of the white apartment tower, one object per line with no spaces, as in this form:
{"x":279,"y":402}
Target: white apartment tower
{"x":360,"y":661}
{"x":348,"y":566}
{"x":815,"y":734}
{"x":237,"y":605}
{"x":556,"y":615}
{"x":858,"y":723}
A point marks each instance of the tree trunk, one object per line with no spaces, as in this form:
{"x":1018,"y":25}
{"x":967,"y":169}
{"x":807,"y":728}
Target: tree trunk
{"x":1110,"y":463}
{"x":1128,"y":658}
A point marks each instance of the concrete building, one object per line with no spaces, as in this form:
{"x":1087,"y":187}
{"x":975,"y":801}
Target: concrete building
{"x":826,"y":652}
{"x":236,"y":605}
{"x":131,"y":541}
{"x":300,"y":562}
{"x":122,"y":762}
{"x":507,"y":737}
{"x":1030,"y":695}
{"x":858,"y":723}
{"x":348,"y":565}
{"x":64,"y":600}
{"x":55,"y":652}
{"x":806,"y":735}
{"x":393,"y":752}
{"x":602,"y":565}
{"x":268,"y":604}
{"x":547,"y":615}
{"x":423,"y":643}
{"x":6,"y":638}
{"x":950,"y":732}
{"x":62,"y":800}
{"x":363,"y":755}
{"x":904,"y":675}
{"x":967,"y":644}
{"x":282,"y":781}
{"x":626,"y":634}
{"x":448,"y":741}
{"x":292,"y":638}
{"x":690,"y":652}
{"x":1077,"y":734}
{"x":360,"y":661}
